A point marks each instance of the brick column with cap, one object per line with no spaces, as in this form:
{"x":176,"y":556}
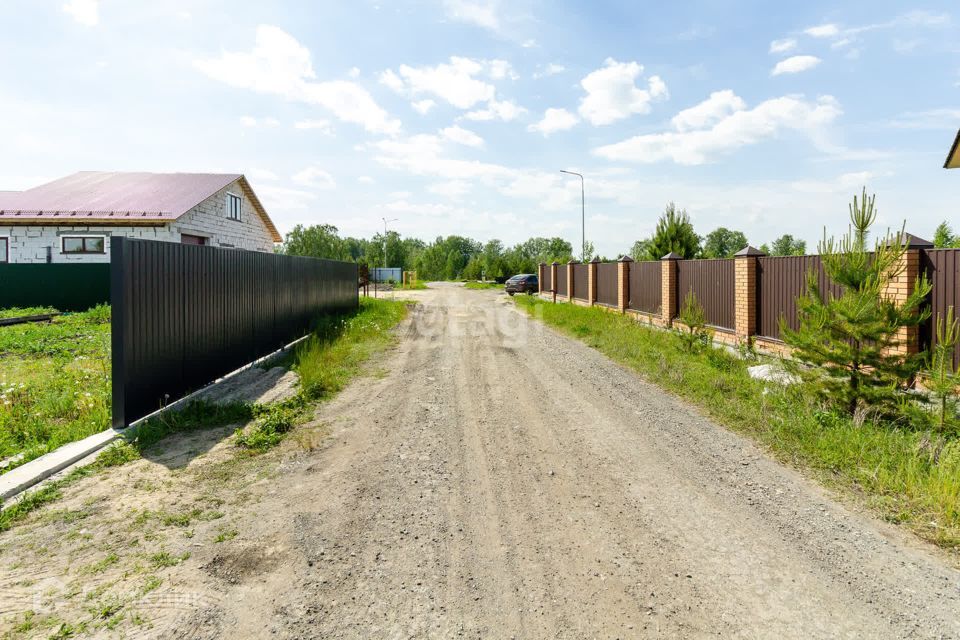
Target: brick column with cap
{"x":540,"y":270}
{"x":745,"y":292}
{"x":900,"y":287}
{"x":570,"y":280}
{"x":592,"y":280}
{"x":669,"y":306}
{"x":623,"y":282}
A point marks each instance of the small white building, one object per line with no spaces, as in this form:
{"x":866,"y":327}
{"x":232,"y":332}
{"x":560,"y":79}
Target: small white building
{"x":72,"y":219}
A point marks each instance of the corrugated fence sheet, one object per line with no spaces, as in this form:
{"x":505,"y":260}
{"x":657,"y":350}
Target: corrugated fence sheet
{"x":561,"y":280}
{"x":645,"y":286}
{"x":943,"y":269}
{"x":712,"y":282}
{"x":63,"y":286}
{"x":186,"y":315}
{"x":607,"y":284}
{"x":546,"y":284}
{"x":780,"y":281}
{"x":580,"y":278}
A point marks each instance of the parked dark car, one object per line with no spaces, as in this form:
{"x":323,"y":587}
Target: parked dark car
{"x":522,"y":283}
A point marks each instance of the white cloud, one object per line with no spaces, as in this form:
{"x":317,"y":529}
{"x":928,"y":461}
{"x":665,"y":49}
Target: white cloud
{"x":828,"y":30}
{"x":366,"y":180}
{"x":529,"y":44}
{"x":261,"y":174}
{"x":280,"y":65}
{"x":250,"y":121}
{"x":482,"y":14}
{"x":718,"y":106}
{"x":934,"y":119}
{"x":795,"y":64}
{"x":554,"y":120}
{"x":738,"y":129}
{"x":782,"y":46}
{"x":844,"y":183}
{"x":506,"y":111}
{"x":613,"y":95}
{"x":461,"y":136}
{"x":354,"y":72}
{"x":284,"y":198}
{"x":315,"y":178}
{"x":422,"y":155}
{"x":451,"y":189}
{"x":423,"y":106}
{"x":86,"y":12}
{"x":455,"y":82}
{"x":322,"y":126}
{"x":500,"y":69}
{"x":551,"y":69}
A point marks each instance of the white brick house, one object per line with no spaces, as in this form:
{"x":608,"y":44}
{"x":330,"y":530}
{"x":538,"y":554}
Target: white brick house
{"x":73,"y":219}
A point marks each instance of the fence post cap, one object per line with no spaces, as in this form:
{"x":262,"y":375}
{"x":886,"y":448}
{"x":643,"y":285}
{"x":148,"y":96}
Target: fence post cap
{"x":748,"y":251}
{"x":573,"y":261}
{"x":625,"y":259}
{"x":596,"y":260}
{"x":555,"y":263}
{"x":672,"y":256}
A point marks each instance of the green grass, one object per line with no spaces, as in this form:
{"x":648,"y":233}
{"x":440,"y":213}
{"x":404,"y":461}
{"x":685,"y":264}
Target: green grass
{"x":415,"y":285}
{"x":880,"y":464}
{"x":482,"y":285}
{"x":54,"y":382}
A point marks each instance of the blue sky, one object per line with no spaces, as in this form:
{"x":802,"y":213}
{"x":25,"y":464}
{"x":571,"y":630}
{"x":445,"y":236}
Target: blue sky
{"x":455,"y":116}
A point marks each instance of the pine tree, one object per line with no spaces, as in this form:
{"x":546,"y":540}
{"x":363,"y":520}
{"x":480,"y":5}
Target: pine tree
{"x":849,"y":339}
{"x":674,"y":233}
{"x":943,"y":237}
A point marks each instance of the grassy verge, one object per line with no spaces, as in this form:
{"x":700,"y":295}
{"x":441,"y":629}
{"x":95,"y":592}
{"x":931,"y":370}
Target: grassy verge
{"x":416,"y":285}
{"x":19,"y":312}
{"x":54,"y":382}
{"x":880,"y":464}
{"x":482,"y":285}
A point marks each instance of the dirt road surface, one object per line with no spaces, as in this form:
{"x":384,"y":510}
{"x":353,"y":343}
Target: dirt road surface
{"x":498,"y":480}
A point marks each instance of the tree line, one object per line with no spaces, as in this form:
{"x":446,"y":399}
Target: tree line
{"x":457,"y":257}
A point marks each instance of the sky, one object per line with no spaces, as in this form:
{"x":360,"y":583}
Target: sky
{"x":456,"y":116}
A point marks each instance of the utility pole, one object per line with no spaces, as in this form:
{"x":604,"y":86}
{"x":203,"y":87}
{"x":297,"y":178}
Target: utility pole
{"x":583,"y":217}
{"x":385,"y":221}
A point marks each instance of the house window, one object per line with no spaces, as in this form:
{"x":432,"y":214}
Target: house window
{"x":84,"y":244}
{"x":4,"y":250}
{"x":234,"y":205}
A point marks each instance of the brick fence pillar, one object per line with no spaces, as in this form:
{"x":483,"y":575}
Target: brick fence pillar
{"x":592,"y":280}
{"x":570,"y":280}
{"x":540,"y":270}
{"x":897,"y":290}
{"x":553,"y":279}
{"x":669,"y":306}
{"x":623,"y":283}
{"x":745,"y":292}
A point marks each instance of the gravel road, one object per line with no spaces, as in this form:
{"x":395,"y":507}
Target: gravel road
{"x":500,"y":480}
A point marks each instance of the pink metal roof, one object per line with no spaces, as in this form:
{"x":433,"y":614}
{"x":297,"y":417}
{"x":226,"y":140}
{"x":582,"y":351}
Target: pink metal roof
{"x":102,"y":197}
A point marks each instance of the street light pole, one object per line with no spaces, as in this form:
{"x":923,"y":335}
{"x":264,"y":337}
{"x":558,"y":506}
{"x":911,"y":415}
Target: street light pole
{"x":583,"y":217}
{"x":385,"y":221}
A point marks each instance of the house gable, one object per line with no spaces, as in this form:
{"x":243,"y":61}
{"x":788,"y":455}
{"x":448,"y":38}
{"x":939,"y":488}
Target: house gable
{"x":209,"y":219}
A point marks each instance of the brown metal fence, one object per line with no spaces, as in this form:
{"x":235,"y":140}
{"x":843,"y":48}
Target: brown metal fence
{"x":580,"y":279}
{"x":607,"y":284}
{"x":547,"y":284}
{"x":943,"y":269}
{"x":645,"y":283}
{"x":780,"y":281}
{"x":712,"y":282}
{"x":562,"y":280}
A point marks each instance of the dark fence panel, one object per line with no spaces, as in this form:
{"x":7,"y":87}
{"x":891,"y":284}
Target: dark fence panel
{"x":547,"y":284}
{"x":562,"y":280}
{"x":645,"y":282}
{"x":186,"y":315}
{"x":712,"y":281}
{"x":63,"y":286}
{"x":943,"y":269}
{"x":580,"y":278}
{"x":780,"y":281}
{"x":607,"y":284}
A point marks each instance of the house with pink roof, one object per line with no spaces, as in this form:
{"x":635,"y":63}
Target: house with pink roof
{"x":73,"y":219}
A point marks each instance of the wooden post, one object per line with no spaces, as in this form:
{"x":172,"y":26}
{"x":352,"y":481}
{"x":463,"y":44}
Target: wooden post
{"x":553,"y":279}
{"x":745,"y":292}
{"x":570,"y":280}
{"x":669,"y":305}
{"x":623,"y":283}
{"x":592,"y":280}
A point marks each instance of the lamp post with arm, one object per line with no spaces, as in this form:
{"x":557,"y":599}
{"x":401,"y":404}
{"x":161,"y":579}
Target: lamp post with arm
{"x":583,"y":219}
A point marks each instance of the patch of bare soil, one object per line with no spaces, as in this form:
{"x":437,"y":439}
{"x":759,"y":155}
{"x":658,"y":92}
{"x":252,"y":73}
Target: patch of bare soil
{"x":499,"y":481}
